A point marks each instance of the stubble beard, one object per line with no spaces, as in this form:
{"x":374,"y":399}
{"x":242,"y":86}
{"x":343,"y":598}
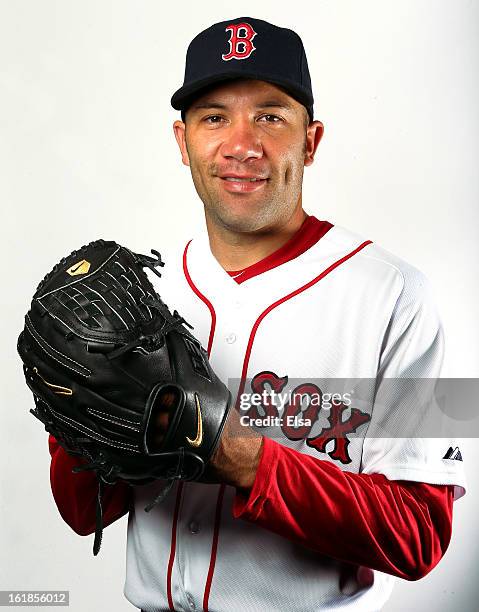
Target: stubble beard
{"x":277,"y":209}
{"x":271,"y":212}
{"x":262,"y":216}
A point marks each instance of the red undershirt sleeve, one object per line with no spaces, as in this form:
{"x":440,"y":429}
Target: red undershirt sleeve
{"x":402,"y":528}
{"x":75,"y":494}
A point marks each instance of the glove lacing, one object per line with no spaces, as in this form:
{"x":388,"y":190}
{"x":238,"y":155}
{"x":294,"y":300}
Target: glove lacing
{"x":104,"y":479}
{"x":171,"y":480}
{"x":156,"y":340}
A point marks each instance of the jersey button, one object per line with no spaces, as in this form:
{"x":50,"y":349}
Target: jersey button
{"x":231,"y":338}
{"x":194,"y":527}
{"x":190,"y":601}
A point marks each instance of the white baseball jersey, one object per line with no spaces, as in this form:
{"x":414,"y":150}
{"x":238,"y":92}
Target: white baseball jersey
{"x":344,"y":309}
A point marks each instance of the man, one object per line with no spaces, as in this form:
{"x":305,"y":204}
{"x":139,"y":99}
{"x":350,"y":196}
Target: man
{"x":309,"y":512}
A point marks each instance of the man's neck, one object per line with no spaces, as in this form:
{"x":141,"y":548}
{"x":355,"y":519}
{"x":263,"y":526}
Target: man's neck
{"x":236,"y":251}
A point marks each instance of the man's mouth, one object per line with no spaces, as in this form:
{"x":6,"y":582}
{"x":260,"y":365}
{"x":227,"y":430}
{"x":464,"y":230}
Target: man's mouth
{"x":242,"y":184}
{"x":241,"y":180}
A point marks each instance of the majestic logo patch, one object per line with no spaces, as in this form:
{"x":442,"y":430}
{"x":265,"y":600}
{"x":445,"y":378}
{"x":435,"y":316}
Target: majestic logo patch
{"x":81,"y":267}
{"x":453,"y":453}
{"x":199,"y":428}
{"x":241,"y":41}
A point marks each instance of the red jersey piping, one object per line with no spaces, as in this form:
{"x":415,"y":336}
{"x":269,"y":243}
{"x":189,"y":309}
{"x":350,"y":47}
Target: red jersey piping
{"x":219,"y":503}
{"x":214,"y":548}
{"x":284,"y":299}
{"x":203,"y":298}
{"x":180,"y":486}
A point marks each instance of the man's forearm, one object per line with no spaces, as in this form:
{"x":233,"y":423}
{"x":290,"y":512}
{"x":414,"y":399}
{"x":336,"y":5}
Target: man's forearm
{"x":401,"y":528}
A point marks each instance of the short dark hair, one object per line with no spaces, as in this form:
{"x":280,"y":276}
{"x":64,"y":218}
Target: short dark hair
{"x":307,"y":118}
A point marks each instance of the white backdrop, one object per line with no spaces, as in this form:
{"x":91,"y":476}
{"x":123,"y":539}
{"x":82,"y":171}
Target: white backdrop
{"x":87,"y":151}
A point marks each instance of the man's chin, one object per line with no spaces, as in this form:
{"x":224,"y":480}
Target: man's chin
{"x":242,"y":222}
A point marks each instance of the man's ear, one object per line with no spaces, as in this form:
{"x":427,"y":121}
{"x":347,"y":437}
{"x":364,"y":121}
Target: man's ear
{"x":179,"y":128}
{"x":314,"y":133}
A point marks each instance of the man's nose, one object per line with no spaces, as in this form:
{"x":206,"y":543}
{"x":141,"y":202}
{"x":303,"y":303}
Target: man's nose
{"x":242,"y":142}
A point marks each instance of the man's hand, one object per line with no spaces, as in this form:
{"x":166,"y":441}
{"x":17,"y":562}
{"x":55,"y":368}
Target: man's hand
{"x":237,"y":457}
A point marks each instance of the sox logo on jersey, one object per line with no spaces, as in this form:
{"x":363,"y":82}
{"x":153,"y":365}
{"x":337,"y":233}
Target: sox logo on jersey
{"x":297,"y":423}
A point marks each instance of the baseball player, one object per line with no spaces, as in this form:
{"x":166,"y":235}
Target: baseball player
{"x":318,"y":505}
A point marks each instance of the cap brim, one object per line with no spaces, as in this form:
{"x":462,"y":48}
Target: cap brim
{"x":184,"y":96}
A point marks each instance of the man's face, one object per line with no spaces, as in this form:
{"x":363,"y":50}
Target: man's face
{"x":247,"y":143}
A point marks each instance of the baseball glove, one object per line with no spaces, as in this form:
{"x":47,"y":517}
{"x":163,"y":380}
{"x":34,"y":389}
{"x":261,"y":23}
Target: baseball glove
{"x":106,"y":361}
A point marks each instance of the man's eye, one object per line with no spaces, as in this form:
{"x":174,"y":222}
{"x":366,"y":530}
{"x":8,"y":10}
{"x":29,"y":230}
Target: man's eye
{"x":213,"y":119}
{"x":271,"y":118}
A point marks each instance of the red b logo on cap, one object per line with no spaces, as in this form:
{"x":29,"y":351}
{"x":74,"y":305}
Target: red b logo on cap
{"x":241,"y":46}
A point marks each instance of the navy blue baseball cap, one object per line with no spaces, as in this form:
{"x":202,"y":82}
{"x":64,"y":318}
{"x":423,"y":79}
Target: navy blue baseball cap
{"x":246,"y":48}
